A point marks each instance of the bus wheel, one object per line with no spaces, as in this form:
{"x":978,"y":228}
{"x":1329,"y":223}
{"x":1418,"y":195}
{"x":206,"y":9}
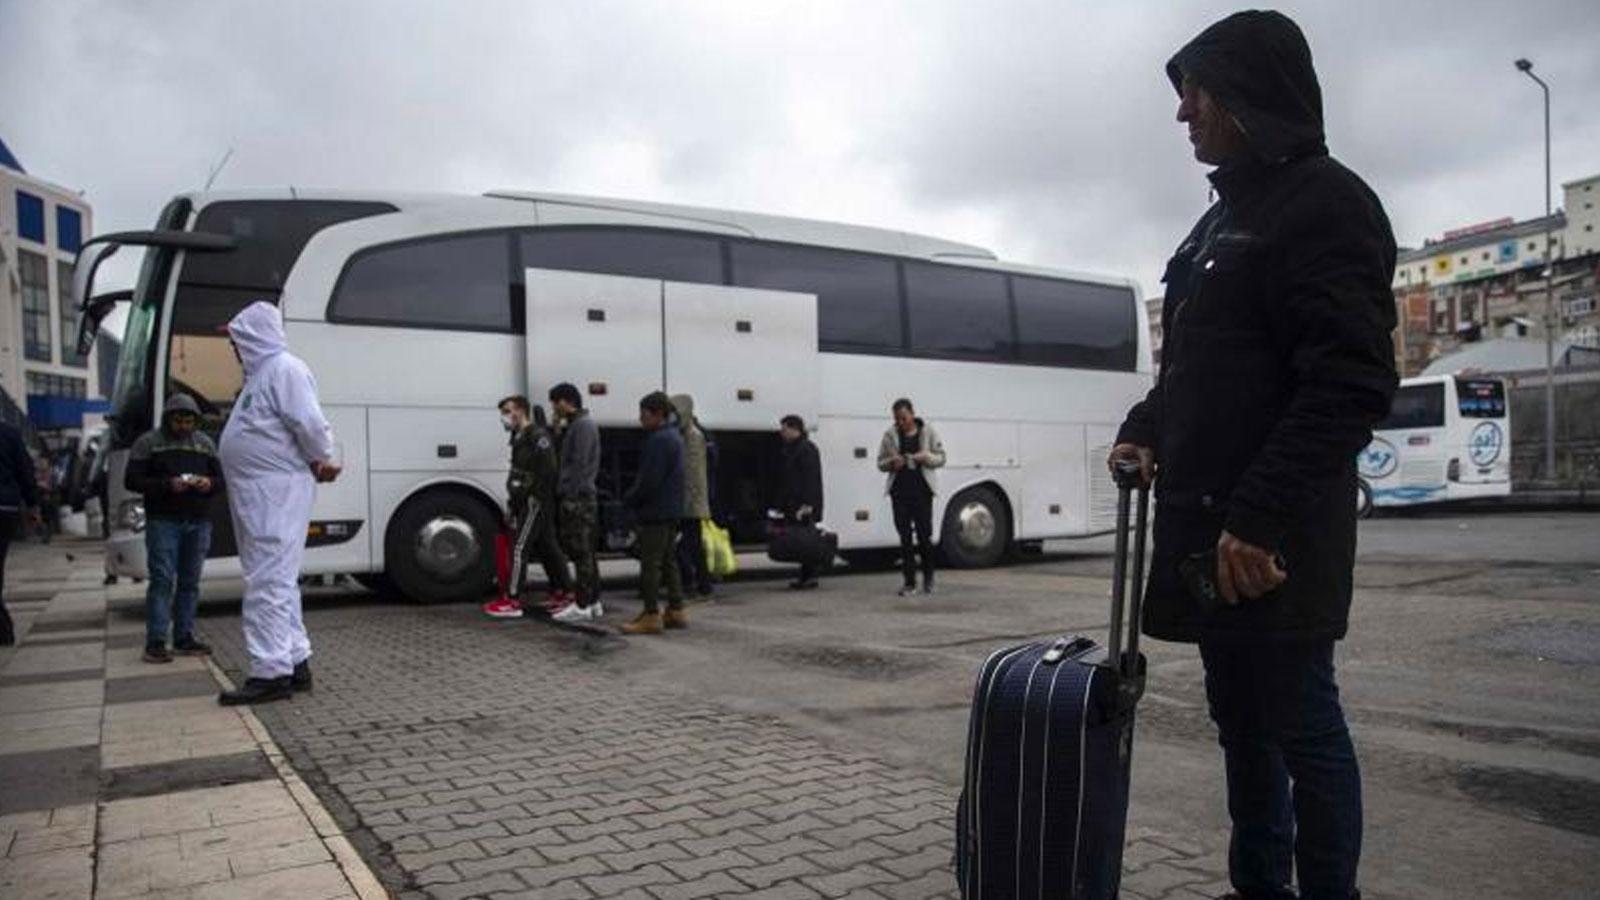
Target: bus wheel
{"x":977,"y":529}
{"x":440,"y":547}
{"x":1363,"y":498}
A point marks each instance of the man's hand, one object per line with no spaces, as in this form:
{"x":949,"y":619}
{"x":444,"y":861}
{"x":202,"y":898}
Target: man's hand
{"x":325,"y":472}
{"x":177,"y":485}
{"x":203,"y":485}
{"x":1144,"y":456}
{"x":803,"y":513}
{"x":35,"y":519}
{"x":896,"y":463}
{"x":922,"y":456}
{"x":1245,"y":571}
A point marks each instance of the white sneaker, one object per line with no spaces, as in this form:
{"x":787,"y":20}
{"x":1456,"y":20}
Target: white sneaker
{"x":573,"y":614}
{"x":908,"y":590}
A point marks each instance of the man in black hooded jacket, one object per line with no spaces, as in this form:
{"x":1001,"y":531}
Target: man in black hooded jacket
{"x":1277,"y":361}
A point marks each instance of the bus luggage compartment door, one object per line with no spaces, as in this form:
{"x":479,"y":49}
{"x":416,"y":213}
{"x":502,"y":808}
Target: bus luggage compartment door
{"x":600,"y":332}
{"x":747,"y":356}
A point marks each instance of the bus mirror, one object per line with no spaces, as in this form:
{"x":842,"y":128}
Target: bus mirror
{"x":93,"y":313}
{"x":97,"y":250}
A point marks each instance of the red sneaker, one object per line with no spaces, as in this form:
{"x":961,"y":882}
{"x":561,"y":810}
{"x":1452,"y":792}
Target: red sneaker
{"x":557,"y":601}
{"x":504,"y":608}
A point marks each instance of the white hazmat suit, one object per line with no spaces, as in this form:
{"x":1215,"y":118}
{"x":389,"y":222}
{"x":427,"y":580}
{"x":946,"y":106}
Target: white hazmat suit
{"x":275,"y":433}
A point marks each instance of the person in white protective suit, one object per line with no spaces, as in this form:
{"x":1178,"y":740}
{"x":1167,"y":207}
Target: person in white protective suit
{"x":277,"y":445}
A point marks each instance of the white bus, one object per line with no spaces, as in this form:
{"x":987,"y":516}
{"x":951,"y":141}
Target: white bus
{"x":1446,"y":437}
{"x":418,"y":312}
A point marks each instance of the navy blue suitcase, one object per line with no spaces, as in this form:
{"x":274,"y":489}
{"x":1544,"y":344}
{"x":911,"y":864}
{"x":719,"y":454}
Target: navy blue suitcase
{"x":1045,"y":804}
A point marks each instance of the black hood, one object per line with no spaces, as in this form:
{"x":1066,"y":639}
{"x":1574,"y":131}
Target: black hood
{"x":1258,"y":65}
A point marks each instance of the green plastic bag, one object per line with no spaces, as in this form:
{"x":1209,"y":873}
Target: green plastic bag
{"x":720,"y":560}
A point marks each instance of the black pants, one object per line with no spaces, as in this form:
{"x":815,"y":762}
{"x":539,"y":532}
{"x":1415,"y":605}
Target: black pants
{"x":536,"y":538}
{"x":913,"y":512}
{"x":692,"y":557}
{"x":8,"y":527}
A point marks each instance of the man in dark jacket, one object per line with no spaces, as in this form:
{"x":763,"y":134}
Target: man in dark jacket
{"x":1277,"y":363}
{"x":19,"y":491}
{"x":531,"y":508}
{"x":578,"y":498}
{"x":656,"y":499}
{"x":801,"y":485}
{"x":175,"y":468}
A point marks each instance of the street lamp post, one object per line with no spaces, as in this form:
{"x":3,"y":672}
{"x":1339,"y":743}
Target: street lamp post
{"x":1550,"y":321}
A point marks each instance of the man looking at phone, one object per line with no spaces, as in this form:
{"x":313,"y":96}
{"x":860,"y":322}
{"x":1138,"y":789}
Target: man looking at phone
{"x":174,"y":467}
{"x":1277,"y":362}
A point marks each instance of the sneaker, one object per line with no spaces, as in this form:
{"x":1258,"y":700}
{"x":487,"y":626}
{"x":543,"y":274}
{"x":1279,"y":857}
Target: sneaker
{"x":190,"y":647}
{"x":504,"y":608}
{"x":803,"y":584}
{"x":927,"y":586}
{"x":907,"y":590}
{"x":644,"y":623}
{"x":675,"y":617}
{"x":573,"y":614}
{"x":556,"y":601}
{"x":156,"y":653}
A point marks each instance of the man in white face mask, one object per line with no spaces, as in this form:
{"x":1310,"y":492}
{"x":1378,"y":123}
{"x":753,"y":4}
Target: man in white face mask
{"x":277,"y":445}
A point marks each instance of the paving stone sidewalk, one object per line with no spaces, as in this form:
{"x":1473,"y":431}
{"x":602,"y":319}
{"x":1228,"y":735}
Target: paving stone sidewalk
{"x":468,"y":758}
{"x":122,"y":779}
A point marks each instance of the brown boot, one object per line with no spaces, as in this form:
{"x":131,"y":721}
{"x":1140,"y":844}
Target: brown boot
{"x":676,"y":617}
{"x":644,"y":623}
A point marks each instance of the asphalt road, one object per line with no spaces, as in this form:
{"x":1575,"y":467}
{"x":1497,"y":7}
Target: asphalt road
{"x":1470,"y":676}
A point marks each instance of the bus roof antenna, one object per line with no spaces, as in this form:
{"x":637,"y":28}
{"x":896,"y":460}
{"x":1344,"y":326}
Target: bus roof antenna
{"x":217,"y":169}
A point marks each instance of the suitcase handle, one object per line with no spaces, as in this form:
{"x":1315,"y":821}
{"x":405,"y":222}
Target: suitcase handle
{"x":1127,"y":475}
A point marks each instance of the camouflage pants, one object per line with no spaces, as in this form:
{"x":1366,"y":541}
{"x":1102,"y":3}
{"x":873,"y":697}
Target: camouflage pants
{"x":580,"y":521}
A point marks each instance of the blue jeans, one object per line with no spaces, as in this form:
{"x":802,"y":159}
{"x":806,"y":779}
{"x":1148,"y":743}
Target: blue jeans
{"x":175,"y":550}
{"x":1294,"y":788}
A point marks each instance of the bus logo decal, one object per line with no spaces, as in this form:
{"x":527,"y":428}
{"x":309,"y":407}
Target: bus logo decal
{"x":1485,"y":443}
{"x":1378,"y":460}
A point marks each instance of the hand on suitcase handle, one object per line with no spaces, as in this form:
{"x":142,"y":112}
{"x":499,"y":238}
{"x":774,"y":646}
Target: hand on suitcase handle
{"x":1132,"y":465}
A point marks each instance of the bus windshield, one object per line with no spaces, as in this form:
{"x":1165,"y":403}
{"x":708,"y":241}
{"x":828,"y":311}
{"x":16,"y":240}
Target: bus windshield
{"x":131,"y":414}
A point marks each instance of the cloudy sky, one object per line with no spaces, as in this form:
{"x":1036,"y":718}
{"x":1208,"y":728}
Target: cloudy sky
{"x":1043,"y":130}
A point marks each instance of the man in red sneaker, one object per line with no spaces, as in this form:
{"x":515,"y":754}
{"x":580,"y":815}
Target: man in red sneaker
{"x":531,"y":487}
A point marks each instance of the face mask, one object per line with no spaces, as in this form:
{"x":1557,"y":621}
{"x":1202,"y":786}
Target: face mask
{"x":508,"y":423}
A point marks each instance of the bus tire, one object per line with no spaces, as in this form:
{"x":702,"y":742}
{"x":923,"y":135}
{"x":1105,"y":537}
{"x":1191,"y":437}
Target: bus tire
{"x":977,"y":529}
{"x":1364,"y":502}
{"x":440,"y":547}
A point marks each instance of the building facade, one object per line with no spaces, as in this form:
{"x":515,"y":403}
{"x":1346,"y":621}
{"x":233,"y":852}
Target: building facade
{"x":42,"y":226}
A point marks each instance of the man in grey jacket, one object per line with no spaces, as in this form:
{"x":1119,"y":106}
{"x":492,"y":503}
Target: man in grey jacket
{"x":577,"y":501}
{"x":912,"y":453}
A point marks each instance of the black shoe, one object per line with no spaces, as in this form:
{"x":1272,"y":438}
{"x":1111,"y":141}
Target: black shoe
{"x":301,"y":679}
{"x":190,"y":647}
{"x":803,"y":584}
{"x":156,"y":653}
{"x":110,"y":580}
{"x":259,"y":690}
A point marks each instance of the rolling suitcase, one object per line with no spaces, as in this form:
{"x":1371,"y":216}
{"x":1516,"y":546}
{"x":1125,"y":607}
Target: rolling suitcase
{"x":801,"y":542}
{"x":1045,"y":802}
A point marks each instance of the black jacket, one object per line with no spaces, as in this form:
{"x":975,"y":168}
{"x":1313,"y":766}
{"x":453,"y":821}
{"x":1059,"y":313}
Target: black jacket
{"x":657,"y":492}
{"x":802,"y":478}
{"x":1277,"y":357}
{"x":535,"y":467}
{"x":19,"y":486}
{"x":157,"y":457}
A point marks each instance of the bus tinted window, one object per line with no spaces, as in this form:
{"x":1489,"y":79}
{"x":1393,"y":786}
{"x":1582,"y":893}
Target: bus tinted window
{"x":1416,"y":406}
{"x":858,"y":296}
{"x":641,"y":253}
{"x":959,"y":313}
{"x":1075,"y":324}
{"x":1481,"y":399}
{"x":457,"y":281}
{"x":271,"y":235}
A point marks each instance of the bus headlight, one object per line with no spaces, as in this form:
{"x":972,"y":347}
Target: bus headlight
{"x":1453,"y":472}
{"x":130,"y":516}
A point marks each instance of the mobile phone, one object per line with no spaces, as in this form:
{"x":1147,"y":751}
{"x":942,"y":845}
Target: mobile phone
{"x":1199,"y":574}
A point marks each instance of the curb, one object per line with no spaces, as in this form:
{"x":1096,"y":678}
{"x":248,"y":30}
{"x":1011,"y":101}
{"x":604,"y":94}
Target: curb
{"x":361,"y":878}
